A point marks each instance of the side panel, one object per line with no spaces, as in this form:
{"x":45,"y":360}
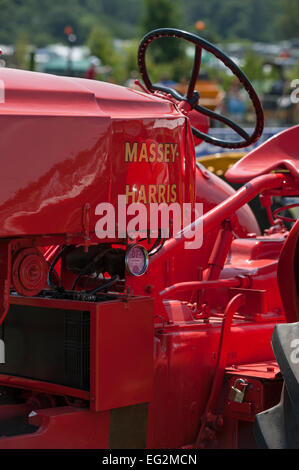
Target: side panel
{"x":122,"y":348}
{"x":50,"y":167}
{"x":184,"y":367}
{"x":53,"y":165}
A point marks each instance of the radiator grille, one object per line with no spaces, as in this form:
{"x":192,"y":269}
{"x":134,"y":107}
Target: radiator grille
{"x":47,"y":344}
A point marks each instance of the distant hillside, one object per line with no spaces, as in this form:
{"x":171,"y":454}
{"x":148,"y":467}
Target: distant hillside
{"x":43,"y":21}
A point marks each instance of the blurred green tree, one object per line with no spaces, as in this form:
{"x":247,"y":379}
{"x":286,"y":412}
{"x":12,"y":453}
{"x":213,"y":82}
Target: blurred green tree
{"x":289,"y":21}
{"x":7,"y":24}
{"x":233,"y":19}
{"x":22,"y":51}
{"x":253,"y":66}
{"x":163,"y":14}
{"x":100,"y":43}
{"x":44,"y":21}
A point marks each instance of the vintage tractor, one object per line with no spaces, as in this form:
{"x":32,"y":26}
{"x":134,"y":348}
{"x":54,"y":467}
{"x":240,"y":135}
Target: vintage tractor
{"x":126,"y":335}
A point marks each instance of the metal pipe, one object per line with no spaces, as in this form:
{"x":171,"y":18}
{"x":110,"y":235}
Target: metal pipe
{"x":220,"y":252}
{"x":222,"y":211}
{"x":183,"y":286}
{"x":10,"y":411}
{"x":232,"y":307}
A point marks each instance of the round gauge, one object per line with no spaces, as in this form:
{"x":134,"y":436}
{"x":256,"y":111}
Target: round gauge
{"x":136,"y":260}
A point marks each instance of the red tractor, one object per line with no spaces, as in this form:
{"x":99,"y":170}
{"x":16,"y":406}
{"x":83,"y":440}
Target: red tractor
{"x":121,"y":336}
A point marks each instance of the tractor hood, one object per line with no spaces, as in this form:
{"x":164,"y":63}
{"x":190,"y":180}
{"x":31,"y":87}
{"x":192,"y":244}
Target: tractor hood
{"x":41,"y":93}
{"x":67,"y":142}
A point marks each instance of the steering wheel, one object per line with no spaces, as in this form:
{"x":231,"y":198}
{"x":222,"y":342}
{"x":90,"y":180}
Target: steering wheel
{"x":192,"y":96}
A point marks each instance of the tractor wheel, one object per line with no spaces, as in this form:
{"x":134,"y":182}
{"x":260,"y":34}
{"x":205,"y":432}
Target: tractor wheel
{"x":278,"y":427}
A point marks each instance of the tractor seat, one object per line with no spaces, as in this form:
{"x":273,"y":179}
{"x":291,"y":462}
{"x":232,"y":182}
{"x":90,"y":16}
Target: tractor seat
{"x":281,"y":152}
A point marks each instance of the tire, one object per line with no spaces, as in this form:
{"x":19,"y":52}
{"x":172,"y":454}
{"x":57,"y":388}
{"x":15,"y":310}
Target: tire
{"x":278,"y":427}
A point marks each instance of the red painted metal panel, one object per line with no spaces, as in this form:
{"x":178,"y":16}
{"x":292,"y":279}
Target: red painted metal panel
{"x":80,"y":130}
{"x":40,"y":386}
{"x":184,"y":368}
{"x":61,"y":428}
{"x":123,"y":373}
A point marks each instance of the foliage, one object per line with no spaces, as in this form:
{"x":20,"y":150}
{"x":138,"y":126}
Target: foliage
{"x":289,"y":21}
{"x":100,"y":43}
{"x":21,"y":56}
{"x":253,"y":66}
{"x":167,"y":57}
{"x":231,"y":19}
{"x":162,"y":14}
{"x":44,"y":21}
{"x":98,"y":22}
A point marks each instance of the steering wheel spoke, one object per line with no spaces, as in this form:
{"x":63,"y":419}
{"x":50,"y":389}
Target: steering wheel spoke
{"x":201,"y":44}
{"x":195,"y":72}
{"x":225,"y":120}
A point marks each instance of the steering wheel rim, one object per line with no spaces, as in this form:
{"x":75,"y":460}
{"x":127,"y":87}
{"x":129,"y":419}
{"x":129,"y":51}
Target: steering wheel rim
{"x":192,"y":96}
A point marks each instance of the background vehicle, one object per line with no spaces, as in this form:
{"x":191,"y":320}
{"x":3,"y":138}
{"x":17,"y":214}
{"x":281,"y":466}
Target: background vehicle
{"x":120,"y":351}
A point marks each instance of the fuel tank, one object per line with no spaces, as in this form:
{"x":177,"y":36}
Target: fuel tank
{"x":67,"y":142}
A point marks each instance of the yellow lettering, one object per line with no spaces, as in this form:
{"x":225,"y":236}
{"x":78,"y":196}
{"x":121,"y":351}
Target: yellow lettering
{"x":173,"y":151}
{"x":143,"y":153}
{"x":131,"y":153}
{"x":173,"y":193}
{"x":153,"y":152}
{"x":167,"y":151}
{"x":152,"y":193}
{"x":160,"y":152}
{"x":161,"y":196}
{"x":142,"y":195}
